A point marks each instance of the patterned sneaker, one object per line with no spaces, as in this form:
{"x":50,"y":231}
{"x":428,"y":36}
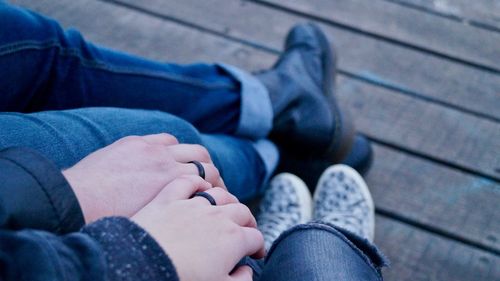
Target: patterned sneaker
{"x":343,"y":199}
{"x":287,"y":203}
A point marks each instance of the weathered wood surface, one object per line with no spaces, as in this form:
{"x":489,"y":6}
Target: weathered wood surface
{"x":450,"y":201}
{"x":387,"y":20}
{"x":414,"y":188}
{"x":420,"y":256}
{"x":368,"y":58}
{"x":412,"y":114}
{"x":484,"y":13}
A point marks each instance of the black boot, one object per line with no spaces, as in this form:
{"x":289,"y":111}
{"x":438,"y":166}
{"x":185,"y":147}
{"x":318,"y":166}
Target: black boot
{"x":308,"y":126}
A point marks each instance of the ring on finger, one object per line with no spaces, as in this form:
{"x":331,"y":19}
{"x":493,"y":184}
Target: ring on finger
{"x":206,"y":196}
{"x":201,"y":169}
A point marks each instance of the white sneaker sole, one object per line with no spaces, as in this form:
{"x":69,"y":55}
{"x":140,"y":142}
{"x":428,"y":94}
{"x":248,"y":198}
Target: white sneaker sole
{"x":305,"y":197}
{"x":351,"y":173}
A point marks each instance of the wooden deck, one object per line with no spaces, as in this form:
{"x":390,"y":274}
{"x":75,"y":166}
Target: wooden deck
{"x":421,"y":78}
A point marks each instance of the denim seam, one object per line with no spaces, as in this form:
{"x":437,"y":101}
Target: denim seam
{"x":329,"y":229}
{"x":58,"y":227}
{"x":71,"y":52}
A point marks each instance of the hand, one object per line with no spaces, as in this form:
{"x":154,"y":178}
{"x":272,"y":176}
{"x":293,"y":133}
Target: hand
{"x":123,"y":177}
{"x":204,"y":242}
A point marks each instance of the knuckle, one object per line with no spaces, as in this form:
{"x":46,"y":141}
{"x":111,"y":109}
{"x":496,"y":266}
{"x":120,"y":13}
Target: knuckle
{"x":259,"y":237}
{"x":129,"y":139}
{"x":216,"y":213}
{"x":244,"y":209}
{"x":235,"y":231}
{"x":170,"y":138}
{"x":218,"y":190}
{"x":192,"y":179}
{"x":183,"y":180}
{"x":202,"y":153}
{"x":213,"y":172}
{"x":154,"y":151}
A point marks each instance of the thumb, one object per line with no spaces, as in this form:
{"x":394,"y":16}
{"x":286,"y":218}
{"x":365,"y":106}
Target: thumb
{"x":242,"y":273}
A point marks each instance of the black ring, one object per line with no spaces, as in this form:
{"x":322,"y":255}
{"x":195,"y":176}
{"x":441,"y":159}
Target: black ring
{"x":199,"y":166}
{"x":206,"y":196}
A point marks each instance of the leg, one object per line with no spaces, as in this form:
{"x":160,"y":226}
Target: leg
{"x":68,"y":136}
{"x":54,"y":69}
{"x":320,"y":252}
{"x":340,"y":247}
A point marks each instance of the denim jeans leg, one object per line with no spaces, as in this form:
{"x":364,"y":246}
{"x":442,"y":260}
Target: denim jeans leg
{"x":47,"y":68}
{"x":68,"y":136}
{"x":321,"y":252}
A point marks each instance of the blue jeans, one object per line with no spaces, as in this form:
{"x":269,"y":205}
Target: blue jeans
{"x":66,"y":98}
{"x":69,"y":135}
{"x":320,"y":252}
{"x":47,"y":68}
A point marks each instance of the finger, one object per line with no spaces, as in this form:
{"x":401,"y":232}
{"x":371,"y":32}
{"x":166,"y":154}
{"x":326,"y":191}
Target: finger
{"x":221,"y":197}
{"x":220,"y":183}
{"x":240,"y":214}
{"x":254,"y":243}
{"x":161,"y":139}
{"x":242,"y":273}
{"x":212,"y":174}
{"x":183,"y":188}
{"x":185,"y":153}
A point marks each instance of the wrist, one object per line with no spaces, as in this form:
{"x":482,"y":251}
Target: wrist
{"x":88,"y":204}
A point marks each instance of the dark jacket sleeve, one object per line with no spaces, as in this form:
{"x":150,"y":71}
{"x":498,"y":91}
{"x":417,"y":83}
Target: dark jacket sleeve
{"x":35,"y":194}
{"x":109,"y":249}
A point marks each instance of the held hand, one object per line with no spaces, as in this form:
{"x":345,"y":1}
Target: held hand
{"x":123,"y":177}
{"x":204,"y":242}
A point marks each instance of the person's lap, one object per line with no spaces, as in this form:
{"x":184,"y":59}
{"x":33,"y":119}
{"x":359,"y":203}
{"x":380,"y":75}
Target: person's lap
{"x":68,"y":136}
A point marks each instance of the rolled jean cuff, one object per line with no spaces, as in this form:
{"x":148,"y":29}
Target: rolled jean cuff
{"x":364,"y":248}
{"x":256,"y":115}
{"x":269,"y":154}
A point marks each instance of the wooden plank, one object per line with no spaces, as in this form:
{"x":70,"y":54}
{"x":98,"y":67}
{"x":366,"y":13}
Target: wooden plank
{"x":116,"y":26}
{"x":420,"y":256}
{"x":484,"y":13}
{"x":375,"y":60}
{"x":423,"y":127}
{"x":436,"y":196}
{"x":409,"y":26}
{"x":255,"y":28}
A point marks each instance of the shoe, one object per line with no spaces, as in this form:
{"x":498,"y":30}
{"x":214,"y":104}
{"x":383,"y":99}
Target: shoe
{"x":309,"y":168}
{"x":307,"y":120}
{"x":343,"y":199}
{"x":286,"y":203}
{"x":360,"y":157}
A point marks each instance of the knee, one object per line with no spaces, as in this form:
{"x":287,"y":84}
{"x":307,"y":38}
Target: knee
{"x":184,"y":131}
{"x":116,"y":123}
{"x":23,"y":25}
